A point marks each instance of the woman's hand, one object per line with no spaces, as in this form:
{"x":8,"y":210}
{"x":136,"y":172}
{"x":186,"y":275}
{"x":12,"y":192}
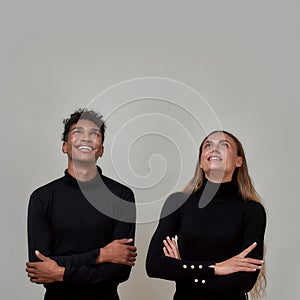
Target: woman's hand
{"x":239,"y":263}
{"x":171,"y":248}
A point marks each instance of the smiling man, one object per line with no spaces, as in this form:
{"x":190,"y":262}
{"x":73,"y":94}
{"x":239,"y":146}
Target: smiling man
{"x":81,"y":226}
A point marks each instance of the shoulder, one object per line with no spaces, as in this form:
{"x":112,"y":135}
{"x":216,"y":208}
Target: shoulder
{"x":46,"y":189}
{"x":254,"y":206}
{"x":174,"y":201}
{"x":117,"y":188}
{"x":255,"y":210}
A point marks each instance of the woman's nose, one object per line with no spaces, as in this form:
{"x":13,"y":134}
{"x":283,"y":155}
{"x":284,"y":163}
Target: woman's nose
{"x":215,"y":149}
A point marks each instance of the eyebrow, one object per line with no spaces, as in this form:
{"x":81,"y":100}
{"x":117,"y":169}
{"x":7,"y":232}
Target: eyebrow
{"x":220,"y":141}
{"x":80,"y":127}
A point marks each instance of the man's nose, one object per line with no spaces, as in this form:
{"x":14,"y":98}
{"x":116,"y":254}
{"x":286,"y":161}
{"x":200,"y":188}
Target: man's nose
{"x":85,"y":137}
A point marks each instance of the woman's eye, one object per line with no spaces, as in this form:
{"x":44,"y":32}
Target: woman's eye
{"x":224,"y":145}
{"x":206,"y":146}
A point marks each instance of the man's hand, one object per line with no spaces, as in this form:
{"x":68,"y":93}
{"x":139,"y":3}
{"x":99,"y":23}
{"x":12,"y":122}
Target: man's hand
{"x":45,"y":271}
{"x":239,"y":263}
{"x":118,"y":252}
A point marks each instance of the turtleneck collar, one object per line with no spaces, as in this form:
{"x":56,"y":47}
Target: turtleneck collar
{"x":73,"y":183}
{"x":224,"y":191}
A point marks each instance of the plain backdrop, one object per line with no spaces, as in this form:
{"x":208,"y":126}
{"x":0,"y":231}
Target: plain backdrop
{"x":167,"y":72}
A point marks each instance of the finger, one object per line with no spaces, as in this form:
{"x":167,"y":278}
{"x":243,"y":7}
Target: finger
{"x":168,"y":247}
{"x":245,"y":269}
{"x":129,"y":263}
{"x":243,"y":265}
{"x":172,"y":244}
{"x":132,"y":248}
{"x":40,"y":256}
{"x":133,"y":254}
{"x":251,"y":265}
{"x":131,"y":259}
{"x":166,"y":252}
{"x":254,"y":261}
{"x":36,"y":280}
{"x":29,"y":269}
{"x":247,"y":250}
{"x":125,"y":241}
{"x":31,"y":264}
{"x":174,"y":247}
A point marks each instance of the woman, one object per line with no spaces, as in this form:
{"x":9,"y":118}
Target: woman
{"x":220,"y":223}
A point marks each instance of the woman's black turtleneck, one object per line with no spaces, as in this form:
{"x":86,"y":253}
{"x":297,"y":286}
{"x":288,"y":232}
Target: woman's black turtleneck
{"x":65,"y":226}
{"x":212,"y":225}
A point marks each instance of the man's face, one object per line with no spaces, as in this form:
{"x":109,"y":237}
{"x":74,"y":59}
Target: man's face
{"x":84,"y":142}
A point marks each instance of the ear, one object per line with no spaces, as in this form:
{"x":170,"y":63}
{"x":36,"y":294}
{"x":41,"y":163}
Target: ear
{"x":200,"y":163}
{"x":64,"y":147}
{"x":101,"y":151}
{"x":239,"y":162}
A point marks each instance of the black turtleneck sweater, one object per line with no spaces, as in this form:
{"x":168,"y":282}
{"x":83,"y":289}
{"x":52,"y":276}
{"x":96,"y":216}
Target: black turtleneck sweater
{"x":65,"y":226}
{"x":217,"y":230}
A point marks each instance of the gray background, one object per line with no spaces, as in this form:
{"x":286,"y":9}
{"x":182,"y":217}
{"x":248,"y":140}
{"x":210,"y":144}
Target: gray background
{"x":241,"y":56}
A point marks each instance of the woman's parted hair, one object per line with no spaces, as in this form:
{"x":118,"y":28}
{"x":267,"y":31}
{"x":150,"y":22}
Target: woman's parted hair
{"x":242,"y":178}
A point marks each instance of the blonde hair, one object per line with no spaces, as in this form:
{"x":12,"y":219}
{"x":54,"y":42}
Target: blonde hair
{"x":242,"y":178}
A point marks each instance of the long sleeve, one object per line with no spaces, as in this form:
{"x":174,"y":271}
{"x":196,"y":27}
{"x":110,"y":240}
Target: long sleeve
{"x":65,"y":226}
{"x":40,"y":237}
{"x":254,"y":229}
{"x":83,"y":274}
{"x":160,"y":266}
{"x":208,"y":236}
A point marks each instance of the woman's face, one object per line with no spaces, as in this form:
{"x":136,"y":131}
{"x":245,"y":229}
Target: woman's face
{"x":219,"y":157}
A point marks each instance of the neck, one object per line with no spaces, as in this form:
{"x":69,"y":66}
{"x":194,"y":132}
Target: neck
{"x":218,"y":177}
{"x":82,"y":171}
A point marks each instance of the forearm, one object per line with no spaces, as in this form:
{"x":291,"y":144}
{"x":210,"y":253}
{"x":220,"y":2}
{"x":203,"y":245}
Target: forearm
{"x":238,"y":282}
{"x":86,"y":258}
{"x":160,"y":266}
{"x":107,"y":272}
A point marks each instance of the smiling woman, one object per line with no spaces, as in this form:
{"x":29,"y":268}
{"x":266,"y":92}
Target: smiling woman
{"x":209,"y":260}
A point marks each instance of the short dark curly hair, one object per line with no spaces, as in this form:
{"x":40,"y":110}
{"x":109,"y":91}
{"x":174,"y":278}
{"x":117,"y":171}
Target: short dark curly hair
{"x":84,"y":114}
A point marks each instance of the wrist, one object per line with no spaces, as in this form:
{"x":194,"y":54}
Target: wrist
{"x":60,"y":273}
{"x":101,"y":256}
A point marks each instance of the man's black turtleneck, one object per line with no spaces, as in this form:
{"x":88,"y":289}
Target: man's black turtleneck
{"x":221,"y":228}
{"x":70,"y":229}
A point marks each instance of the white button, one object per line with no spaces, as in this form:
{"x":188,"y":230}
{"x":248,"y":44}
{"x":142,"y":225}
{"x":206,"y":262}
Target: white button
{"x":196,"y":280}
{"x":184,"y":266}
{"x":200,"y":266}
{"x":192,"y":267}
{"x":203,"y":281}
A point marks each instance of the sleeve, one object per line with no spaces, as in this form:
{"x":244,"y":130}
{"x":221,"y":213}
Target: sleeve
{"x":160,"y":266}
{"x":83,"y":274}
{"x":254,"y":230}
{"x":39,"y":235}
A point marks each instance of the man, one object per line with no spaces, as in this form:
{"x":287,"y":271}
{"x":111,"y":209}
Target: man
{"x":81,"y":226}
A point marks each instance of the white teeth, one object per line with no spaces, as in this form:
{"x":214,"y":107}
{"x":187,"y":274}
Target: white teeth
{"x":214,"y":158}
{"x":85,"y":148}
